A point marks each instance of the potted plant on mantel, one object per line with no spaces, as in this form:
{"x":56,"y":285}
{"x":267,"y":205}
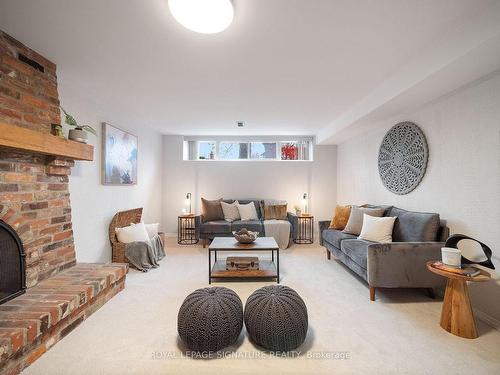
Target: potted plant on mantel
{"x":79,"y":133}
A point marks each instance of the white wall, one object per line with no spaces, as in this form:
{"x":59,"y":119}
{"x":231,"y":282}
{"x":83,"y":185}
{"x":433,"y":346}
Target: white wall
{"x":462,"y":181}
{"x":93,"y":204}
{"x":246,"y":179}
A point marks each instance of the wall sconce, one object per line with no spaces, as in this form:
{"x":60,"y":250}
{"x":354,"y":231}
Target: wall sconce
{"x":304,"y":203}
{"x":188,"y":202}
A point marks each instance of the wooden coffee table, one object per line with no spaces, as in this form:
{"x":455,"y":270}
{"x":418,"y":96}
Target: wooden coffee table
{"x":456,"y":314}
{"x":267,"y":269}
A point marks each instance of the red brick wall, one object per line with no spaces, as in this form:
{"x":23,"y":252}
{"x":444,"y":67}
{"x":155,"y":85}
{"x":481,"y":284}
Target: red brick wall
{"x":28,"y":97}
{"x":34,"y":195}
{"x":37,"y":205}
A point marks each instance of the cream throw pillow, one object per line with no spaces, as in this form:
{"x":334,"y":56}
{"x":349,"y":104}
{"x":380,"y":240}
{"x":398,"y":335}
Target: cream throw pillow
{"x":377,"y":229}
{"x":151,"y":229}
{"x":247,"y":211}
{"x":355,"y":222}
{"x":230,"y":210}
{"x":132,"y":233}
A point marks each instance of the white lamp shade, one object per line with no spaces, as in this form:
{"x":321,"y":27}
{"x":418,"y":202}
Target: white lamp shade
{"x":203,"y":16}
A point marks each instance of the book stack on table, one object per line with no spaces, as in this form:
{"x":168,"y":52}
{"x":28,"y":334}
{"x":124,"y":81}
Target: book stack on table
{"x":467,"y":271}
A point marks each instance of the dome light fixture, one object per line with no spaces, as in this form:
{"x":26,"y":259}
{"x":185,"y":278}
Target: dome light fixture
{"x":203,"y":16}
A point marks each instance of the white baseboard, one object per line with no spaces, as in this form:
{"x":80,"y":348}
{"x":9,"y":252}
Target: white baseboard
{"x":488,"y":319}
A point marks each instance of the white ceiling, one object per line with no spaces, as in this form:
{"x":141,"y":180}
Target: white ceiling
{"x":283,"y":66}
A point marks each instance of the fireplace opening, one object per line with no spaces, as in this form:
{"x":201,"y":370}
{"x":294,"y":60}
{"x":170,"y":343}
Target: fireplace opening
{"x":12,"y":264}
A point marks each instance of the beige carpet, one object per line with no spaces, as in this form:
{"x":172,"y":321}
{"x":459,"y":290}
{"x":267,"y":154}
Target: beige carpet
{"x":136,"y":333}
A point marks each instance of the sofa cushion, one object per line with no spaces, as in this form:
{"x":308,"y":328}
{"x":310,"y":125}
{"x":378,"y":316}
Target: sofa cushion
{"x":334,"y":237}
{"x":211,"y":210}
{"x":340,"y":217}
{"x":356,"y":250}
{"x":414,"y":226}
{"x":355,"y":222}
{"x":231,"y":212}
{"x":377,"y":229}
{"x":247,"y":211}
{"x":216,"y":226}
{"x":256,"y":202}
{"x":253,"y":225}
{"x":274,"y":211}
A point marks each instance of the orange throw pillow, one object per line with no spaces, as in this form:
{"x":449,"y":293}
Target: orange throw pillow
{"x":341,"y":217}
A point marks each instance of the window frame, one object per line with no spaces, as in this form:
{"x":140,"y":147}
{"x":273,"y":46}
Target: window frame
{"x":227,"y":141}
{"x":279,"y":141}
{"x":198,"y":144}
{"x":262,"y":159}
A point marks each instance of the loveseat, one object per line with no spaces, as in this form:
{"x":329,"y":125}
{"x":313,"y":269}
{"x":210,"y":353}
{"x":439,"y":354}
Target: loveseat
{"x":417,"y":238}
{"x":222,"y":228}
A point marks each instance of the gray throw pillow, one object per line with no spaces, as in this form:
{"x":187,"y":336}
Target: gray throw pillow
{"x":415,"y":226}
{"x":211,"y":210}
{"x":355,"y":222}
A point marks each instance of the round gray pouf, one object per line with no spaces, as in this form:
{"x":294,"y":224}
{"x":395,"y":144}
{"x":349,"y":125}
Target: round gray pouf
{"x":276,"y":318}
{"x":210,"y":319}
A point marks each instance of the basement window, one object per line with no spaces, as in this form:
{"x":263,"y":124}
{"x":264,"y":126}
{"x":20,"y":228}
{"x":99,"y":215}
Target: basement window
{"x":206,"y":150}
{"x":248,"y":149}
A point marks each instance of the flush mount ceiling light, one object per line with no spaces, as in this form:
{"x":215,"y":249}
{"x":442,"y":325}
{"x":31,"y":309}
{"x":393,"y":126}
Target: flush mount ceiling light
{"x":203,"y":16}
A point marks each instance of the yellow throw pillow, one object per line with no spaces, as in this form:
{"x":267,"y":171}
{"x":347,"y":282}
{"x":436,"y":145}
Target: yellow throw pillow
{"x":340,"y":218}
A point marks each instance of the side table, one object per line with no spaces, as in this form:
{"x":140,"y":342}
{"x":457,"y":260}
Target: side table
{"x":456,"y":314}
{"x":187,"y":231}
{"x":305,"y":229}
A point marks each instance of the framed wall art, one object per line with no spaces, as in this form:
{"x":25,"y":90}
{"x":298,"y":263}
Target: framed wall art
{"x":119,"y":156}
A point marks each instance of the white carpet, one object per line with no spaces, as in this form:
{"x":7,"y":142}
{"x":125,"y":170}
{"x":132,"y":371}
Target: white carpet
{"x":136,"y":332}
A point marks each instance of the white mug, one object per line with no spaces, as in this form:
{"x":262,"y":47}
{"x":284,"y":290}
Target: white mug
{"x":451,"y":257}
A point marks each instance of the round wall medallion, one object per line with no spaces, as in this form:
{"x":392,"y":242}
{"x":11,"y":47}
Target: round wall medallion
{"x":402,"y":158}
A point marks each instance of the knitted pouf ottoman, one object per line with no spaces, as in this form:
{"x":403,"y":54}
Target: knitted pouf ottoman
{"x":276,"y":318}
{"x":210,"y":319}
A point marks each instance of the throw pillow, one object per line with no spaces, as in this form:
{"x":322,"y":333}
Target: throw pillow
{"x":275,"y":211}
{"x":377,"y":229}
{"x":355,"y":222}
{"x":340,"y":217}
{"x":247,"y":211}
{"x":132,"y":233}
{"x":211,"y":210}
{"x":230,"y":211}
{"x":152,"y":229}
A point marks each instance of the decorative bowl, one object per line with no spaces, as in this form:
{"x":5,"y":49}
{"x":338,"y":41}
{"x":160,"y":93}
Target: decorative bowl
{"x":245,"y":236}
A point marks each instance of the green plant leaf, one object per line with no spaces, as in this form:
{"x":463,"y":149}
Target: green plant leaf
{"x":70,"y":120}
{"x":90,"y":129}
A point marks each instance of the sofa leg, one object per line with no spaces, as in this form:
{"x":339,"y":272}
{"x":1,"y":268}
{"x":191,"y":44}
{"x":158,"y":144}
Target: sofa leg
{"x":328,"y":254}
{"x":372,"y":293}
{"x":204,"y":242}
{"x":430,"y":293}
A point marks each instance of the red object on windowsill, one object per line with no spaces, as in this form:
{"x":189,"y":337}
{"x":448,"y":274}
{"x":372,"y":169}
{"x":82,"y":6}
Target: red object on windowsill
{"x":289,"y":152}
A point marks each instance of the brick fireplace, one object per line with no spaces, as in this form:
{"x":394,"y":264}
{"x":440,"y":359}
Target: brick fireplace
{"x":35,"y":202}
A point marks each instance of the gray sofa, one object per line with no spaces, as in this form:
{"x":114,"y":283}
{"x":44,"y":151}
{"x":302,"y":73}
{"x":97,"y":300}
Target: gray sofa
{"x":417,"y":238}
{"x":221,"y":228}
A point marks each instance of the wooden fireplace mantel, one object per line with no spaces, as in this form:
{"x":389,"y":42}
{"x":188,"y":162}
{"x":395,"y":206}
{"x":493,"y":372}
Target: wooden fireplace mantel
{"x":17,"y":138}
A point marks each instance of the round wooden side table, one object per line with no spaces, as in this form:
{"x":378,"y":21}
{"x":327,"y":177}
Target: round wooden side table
{"x":305,"y":229}
{"x":187,"y":233}
{"x":456,"y":314}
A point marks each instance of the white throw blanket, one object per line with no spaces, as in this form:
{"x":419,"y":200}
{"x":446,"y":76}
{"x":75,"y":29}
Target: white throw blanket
{"x":280,"y":230}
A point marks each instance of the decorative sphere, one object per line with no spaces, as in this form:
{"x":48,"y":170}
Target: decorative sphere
{"x":210,"y":319}
{"x":276,"y":318}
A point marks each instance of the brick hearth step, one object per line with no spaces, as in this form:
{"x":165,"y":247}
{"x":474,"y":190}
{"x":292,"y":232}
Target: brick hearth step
{"x":31,"y":323}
